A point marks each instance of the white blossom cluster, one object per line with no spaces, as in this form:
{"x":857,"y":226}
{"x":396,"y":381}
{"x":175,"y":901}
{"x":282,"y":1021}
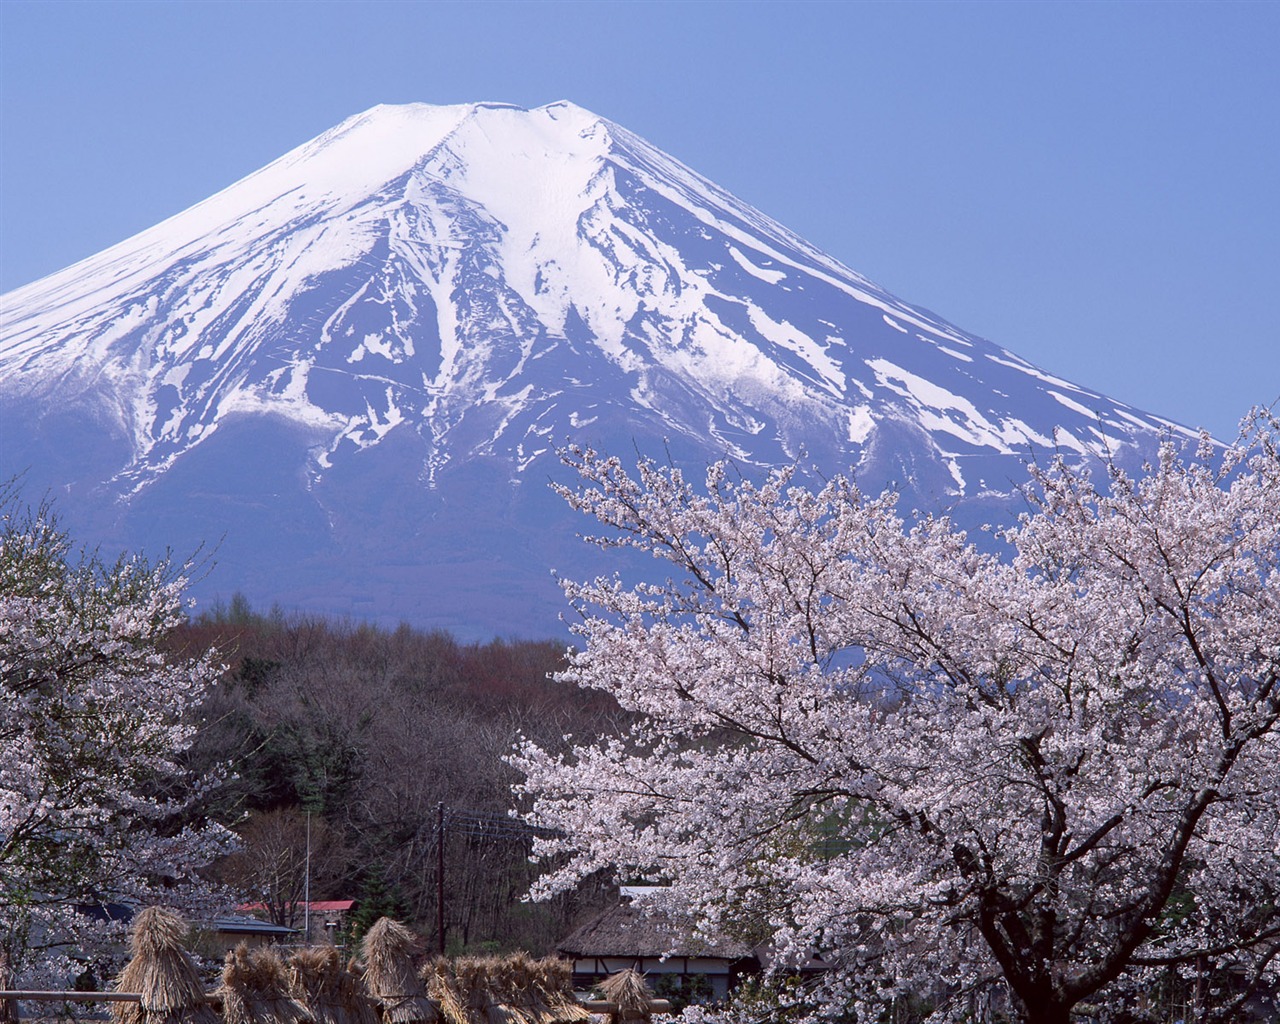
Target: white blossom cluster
{"x":96,"y":806}
{"x":1051,"y":768}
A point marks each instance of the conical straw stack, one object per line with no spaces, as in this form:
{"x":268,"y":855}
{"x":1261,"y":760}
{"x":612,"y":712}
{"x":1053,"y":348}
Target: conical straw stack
{"x":628,"y":990}
{"x":554,"y":980}
{"x":390,"y":951}
{"x":331,"y":992}
{"x":442,"y":987}
{"x":162,"y":973}
{"x":255,"y":990}
{"x":473,"y":977}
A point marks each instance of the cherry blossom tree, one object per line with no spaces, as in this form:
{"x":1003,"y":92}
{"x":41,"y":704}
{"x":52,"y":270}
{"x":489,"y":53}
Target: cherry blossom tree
{"x":95,"y":804}
{"x":1048,"y":769}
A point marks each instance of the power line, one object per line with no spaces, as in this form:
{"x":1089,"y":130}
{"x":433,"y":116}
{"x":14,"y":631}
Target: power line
{"x":490,"y":825}
{"x":483,"y":825}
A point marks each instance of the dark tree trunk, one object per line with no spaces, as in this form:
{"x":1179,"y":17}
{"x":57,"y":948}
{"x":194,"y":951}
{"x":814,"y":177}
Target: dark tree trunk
{"x":1046,"y":1012}
{"x":8,"y":1008}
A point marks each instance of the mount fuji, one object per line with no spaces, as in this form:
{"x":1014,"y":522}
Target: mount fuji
{"x":349,"y":371}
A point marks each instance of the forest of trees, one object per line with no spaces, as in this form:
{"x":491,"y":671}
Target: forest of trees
{"x":369,"y":733}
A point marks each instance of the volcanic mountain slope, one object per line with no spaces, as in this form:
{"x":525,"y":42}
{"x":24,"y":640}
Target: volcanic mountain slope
{"x":351,"y":369}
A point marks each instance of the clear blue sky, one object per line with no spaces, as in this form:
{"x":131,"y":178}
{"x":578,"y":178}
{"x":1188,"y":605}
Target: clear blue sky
{"x":1092,"y":185}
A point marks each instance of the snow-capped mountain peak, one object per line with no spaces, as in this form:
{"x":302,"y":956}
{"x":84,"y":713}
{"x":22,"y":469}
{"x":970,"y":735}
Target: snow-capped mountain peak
{"x":433,"y":288}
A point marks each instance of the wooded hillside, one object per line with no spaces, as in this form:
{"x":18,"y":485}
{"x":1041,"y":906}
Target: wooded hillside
{"x":372,"y":731}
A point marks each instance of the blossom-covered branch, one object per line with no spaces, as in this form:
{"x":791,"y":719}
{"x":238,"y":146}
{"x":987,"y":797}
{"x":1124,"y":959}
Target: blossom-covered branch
{"x":96,"y":806}
{"x":1055,"y":764}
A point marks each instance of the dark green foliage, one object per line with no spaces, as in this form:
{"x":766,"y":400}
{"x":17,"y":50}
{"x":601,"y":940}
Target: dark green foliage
{"x":377,"y":897}
{"x":320,"y":762}
{"x":680,"y":990}
{"x":253,"y":674}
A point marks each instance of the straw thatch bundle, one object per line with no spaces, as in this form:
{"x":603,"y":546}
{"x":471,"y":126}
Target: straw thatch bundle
{"x":389,"y":954}
{"x":477,"y":981}
{"x":331,"y":992}
{"x":515,"y":989}
{"x":628,"y":990}
{"x":437,"y":975}
{"x":255,"y":990}
{"x":555,"y":978}
{"x":162,"y":973}
{"x":538,"y":991}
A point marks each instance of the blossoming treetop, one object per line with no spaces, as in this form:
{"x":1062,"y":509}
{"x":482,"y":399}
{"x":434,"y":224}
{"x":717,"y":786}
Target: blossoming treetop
{"x":1054,"y":767}
{"x":96,"y":805}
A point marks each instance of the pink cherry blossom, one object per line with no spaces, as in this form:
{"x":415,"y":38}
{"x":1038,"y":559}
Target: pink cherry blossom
{"x":96,"y":805}
{"x":1049,"y":770}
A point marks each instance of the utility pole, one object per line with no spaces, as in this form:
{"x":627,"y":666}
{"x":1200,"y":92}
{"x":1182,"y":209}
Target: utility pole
{"x":306,"y":888}
{"x":440,"y":873}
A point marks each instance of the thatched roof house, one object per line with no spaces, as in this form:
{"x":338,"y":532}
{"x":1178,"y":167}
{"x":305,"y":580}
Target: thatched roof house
{"x":630,"y":936}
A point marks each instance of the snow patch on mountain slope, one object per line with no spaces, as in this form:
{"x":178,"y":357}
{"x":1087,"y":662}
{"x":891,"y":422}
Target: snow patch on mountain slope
{"x":758,"y":272}
{"x":861,"y":424}
{"x":933,"y":402}
{"x":1070,"y":403}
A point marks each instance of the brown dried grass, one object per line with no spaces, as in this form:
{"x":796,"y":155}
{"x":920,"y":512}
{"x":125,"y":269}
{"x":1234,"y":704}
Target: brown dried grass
{"x":390,"y":952}
{"x":628,"y":990}
{"x":255,"y":989}
{"x":555,"y":978}
{"x":329,"y":989}
{"x":437,"y":975}
{"x":515,"y":989}
{"x":161,"y":972}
